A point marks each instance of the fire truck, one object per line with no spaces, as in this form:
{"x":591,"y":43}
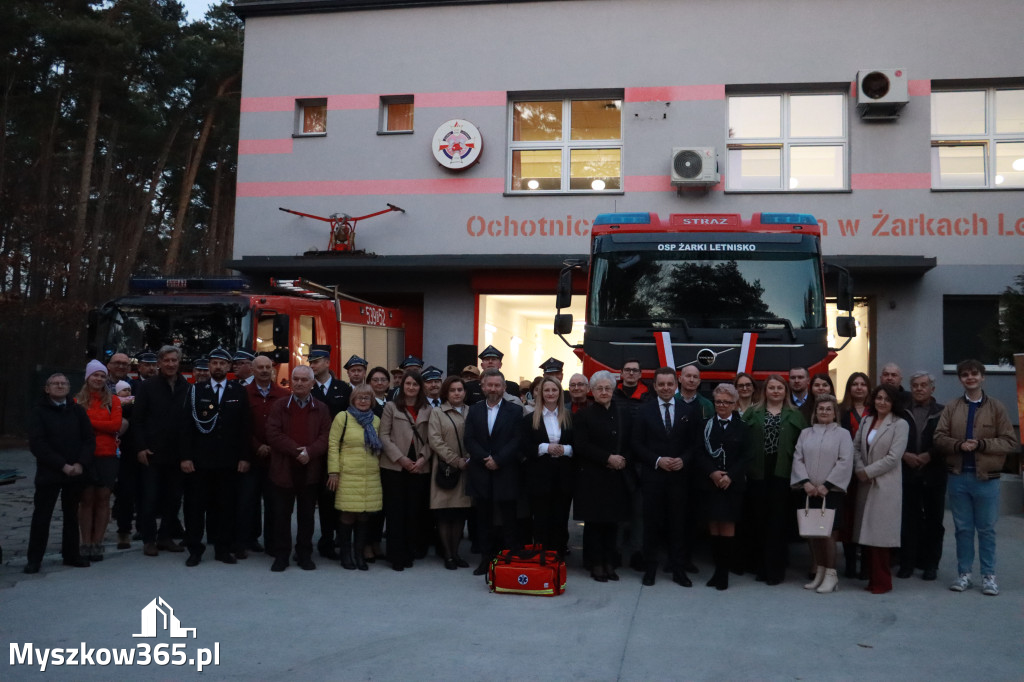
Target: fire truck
{"x":284,"y":322}
{"x":718,"y":290}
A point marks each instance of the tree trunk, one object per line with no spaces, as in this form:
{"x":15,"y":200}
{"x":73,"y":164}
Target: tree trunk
{"x":39,"y":214}
{"x":98,"y":227}
{"x":84,"y":185}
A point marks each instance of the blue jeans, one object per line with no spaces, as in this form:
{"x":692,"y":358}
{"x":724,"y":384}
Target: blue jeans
{"x":975,"y":507}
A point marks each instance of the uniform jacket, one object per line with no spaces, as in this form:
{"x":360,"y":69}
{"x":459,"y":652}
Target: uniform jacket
{"x":285,"y":470}
{"x":358,"y":469}
{"x":399,"y":434}
{"x":229,"y":440}
{"x":446,"y":434}
{"x":649,"y":440}
{"x":159,"y":406}
{"x":823,"y":456}
{"x":735,"y":443}
{"x":503,"y":444}
{"x":336,"y":397}
{"x":793,"y":423}
{"x":57,"y":436}
{"x":992,"y":428}
{"x":880,"y":498}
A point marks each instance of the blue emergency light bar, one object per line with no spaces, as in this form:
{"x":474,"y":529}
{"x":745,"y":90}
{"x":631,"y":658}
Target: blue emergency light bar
{"x":188,"y":283}
{"x":622,"y":219}
{"x":788,"y":219}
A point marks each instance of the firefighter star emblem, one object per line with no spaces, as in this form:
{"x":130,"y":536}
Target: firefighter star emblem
{"x":457,"y":144}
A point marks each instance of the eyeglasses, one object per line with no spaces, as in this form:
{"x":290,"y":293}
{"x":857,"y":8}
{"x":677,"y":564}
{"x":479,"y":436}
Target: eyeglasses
{"x":577,"y":385}
{"x":58,"y":383}
{"x":724,"y":403}
{"x":630,"y":370}
{"x":747,"y":385}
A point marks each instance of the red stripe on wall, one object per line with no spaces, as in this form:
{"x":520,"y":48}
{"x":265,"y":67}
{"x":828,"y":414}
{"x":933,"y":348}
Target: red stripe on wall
{"x":483,"y":98}
{"x":658,"y":183}
{"x":675,"y":93}
{"x":352,"y":102}
{"x":324,"y":188}
{"x":265,"y":146}
{"x":919,"y":88}
{"x":890,"y":181}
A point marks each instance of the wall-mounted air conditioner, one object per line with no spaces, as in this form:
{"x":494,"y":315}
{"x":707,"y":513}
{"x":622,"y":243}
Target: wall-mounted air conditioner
{"x":881,"y":93}
{"x":694,"y":166}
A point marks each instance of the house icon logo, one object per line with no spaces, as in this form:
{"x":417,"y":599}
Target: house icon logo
{"x":159,"y":615}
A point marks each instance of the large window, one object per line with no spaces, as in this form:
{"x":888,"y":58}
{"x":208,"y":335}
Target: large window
{"x":970,"y":329}
{"x":787,"y":142}
{"x":978,"y":139}
{"x":565,"y":145}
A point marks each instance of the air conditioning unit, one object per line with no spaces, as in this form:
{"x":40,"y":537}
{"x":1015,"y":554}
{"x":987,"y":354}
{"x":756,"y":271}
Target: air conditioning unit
{"x":694,"y":166}
{"x":881,"y":93}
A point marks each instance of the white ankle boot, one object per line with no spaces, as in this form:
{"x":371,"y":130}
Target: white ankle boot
{"x":830,"y":583}
{"x":819,"y":575}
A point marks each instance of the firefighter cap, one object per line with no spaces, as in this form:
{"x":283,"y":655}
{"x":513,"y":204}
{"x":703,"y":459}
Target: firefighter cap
{"x":551,"y":365}
{"x":317,"y":353}
{"x":201,"y":363}
{"x":491,"y":352}
{"x":431,"y":373}
{"x":410,"y":361}
{"x":219,"y":353}
{"x":243,"y":355}
{"x":148,"y":357}
{"x":356,"y":361}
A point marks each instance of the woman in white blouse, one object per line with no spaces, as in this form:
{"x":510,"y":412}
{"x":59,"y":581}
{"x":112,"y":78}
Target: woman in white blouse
{"x":550,"y":469}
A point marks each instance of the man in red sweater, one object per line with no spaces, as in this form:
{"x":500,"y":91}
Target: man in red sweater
{"x":297,"y":430}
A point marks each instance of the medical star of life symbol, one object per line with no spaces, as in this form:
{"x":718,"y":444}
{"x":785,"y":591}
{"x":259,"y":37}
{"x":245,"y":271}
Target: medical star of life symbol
{"x":523,"y":579}
{"x":159,"y":615}
{"x":457,"y":144}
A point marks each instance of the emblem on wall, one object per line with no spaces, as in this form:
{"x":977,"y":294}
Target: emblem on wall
{"x":457,"y":144}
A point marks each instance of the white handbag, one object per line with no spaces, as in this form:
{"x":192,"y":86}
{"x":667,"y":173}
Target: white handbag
{"x":815,"y":523}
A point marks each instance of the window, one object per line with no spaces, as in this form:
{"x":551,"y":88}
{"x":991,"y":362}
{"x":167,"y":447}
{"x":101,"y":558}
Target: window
{"x":395,"y":114}
{"x":310,"y":117}
{"x":565,"y":145}
{"x":978,"y":139}
{"x":970,"y":329}
{"x":787,"y":142}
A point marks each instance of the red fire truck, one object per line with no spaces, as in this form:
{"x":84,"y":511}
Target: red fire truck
{"x":712,"y":282}
{"x":284,"y":323}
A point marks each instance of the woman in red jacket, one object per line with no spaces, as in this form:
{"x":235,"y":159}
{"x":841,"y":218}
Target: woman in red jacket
{"x":104,"y":410}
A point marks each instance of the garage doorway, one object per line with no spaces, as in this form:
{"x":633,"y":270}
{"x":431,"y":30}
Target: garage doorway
{"x":521,"y":327}
{"x":856,"y":357}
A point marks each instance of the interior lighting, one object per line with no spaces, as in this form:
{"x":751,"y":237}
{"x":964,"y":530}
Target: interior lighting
{"x":1018,"y":164}
{"x":597,"y":185}
{"x":533,"y":184}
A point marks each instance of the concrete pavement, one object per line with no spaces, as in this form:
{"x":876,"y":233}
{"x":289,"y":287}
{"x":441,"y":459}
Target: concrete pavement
{"x":427,"y":623}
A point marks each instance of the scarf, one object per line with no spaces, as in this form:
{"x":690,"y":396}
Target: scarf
{"x":370,"y":438}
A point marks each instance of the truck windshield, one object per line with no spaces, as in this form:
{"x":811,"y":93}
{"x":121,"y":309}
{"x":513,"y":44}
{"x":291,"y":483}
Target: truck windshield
{"x":703,"y":289}
{"x":196,"y":328}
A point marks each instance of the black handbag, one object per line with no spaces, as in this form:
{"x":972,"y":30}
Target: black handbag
{"x":445,"y":475}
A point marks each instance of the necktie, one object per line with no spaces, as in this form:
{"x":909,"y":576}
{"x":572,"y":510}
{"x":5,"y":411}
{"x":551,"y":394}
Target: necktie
{"x":435,"y":402}
{"x":723,"y":423}
{"x":668,"y":419}
{"x":216,"y":390}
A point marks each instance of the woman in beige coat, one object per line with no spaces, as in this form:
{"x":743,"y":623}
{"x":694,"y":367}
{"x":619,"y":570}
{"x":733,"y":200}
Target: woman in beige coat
{"x":405,"y":472}
{"x":822,"y":465}
{"x":353,"y":470}
{"x":445,"y":432}
{"x":878,"y":451}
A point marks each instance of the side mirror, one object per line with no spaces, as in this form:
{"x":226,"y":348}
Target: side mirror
{"x":844,"y":290}
{"x":563,"y":295}
{"x":563,"y":323}
{"x":280,"y":355}
{"x":846,"y":327}
{"x":281,"y":327}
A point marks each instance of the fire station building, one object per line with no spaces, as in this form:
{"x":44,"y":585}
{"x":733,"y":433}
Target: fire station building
{"x":502,"y":129}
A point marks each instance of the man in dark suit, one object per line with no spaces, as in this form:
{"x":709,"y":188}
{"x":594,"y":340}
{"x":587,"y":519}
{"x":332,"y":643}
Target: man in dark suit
{"x":334,"y":393}
{"x":493,"y":435}
{"x":663,"y":435}
{"x":214,"y":450}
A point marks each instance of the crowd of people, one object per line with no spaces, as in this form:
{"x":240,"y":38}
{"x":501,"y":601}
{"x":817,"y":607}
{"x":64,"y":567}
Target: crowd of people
{"x":400,"y":462}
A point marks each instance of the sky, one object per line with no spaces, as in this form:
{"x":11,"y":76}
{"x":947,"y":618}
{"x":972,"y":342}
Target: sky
{"x":196,"y":8}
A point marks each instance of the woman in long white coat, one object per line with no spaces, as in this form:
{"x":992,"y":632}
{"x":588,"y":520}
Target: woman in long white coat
{"x":878,"y":450}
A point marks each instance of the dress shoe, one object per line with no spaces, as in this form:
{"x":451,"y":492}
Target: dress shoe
{"x":450,"y":564}
{"x":773,"y":581}
{"x":482,"y":568}
{"x":612,"y":575}
{"x":460,"y":562}
{"x":649,"y":575}
{"x":929,"y":574}
{"x":77,"y":562}
{"x":169,"y":546}
{"x":306,"y":564}
{"x":31,"y":568}
{"x":150,"y":549}
{"x":193,"y":560}
{"x":680,"y":578}
{"x":905,"y":572}
{"x":279,"y":564}
{"x":599,"y":574}
{"x":241,"y":553}
{"x":225,"y":557}
{"x":398,"y":567}
{"x":690,"y":567}
{"x":124,"y":541}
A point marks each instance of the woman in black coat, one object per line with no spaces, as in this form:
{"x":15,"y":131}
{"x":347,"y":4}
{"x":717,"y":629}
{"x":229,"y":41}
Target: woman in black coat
{"x":723,"y":462}
{"x":550,"y":469}
{"x":602,"y":496}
